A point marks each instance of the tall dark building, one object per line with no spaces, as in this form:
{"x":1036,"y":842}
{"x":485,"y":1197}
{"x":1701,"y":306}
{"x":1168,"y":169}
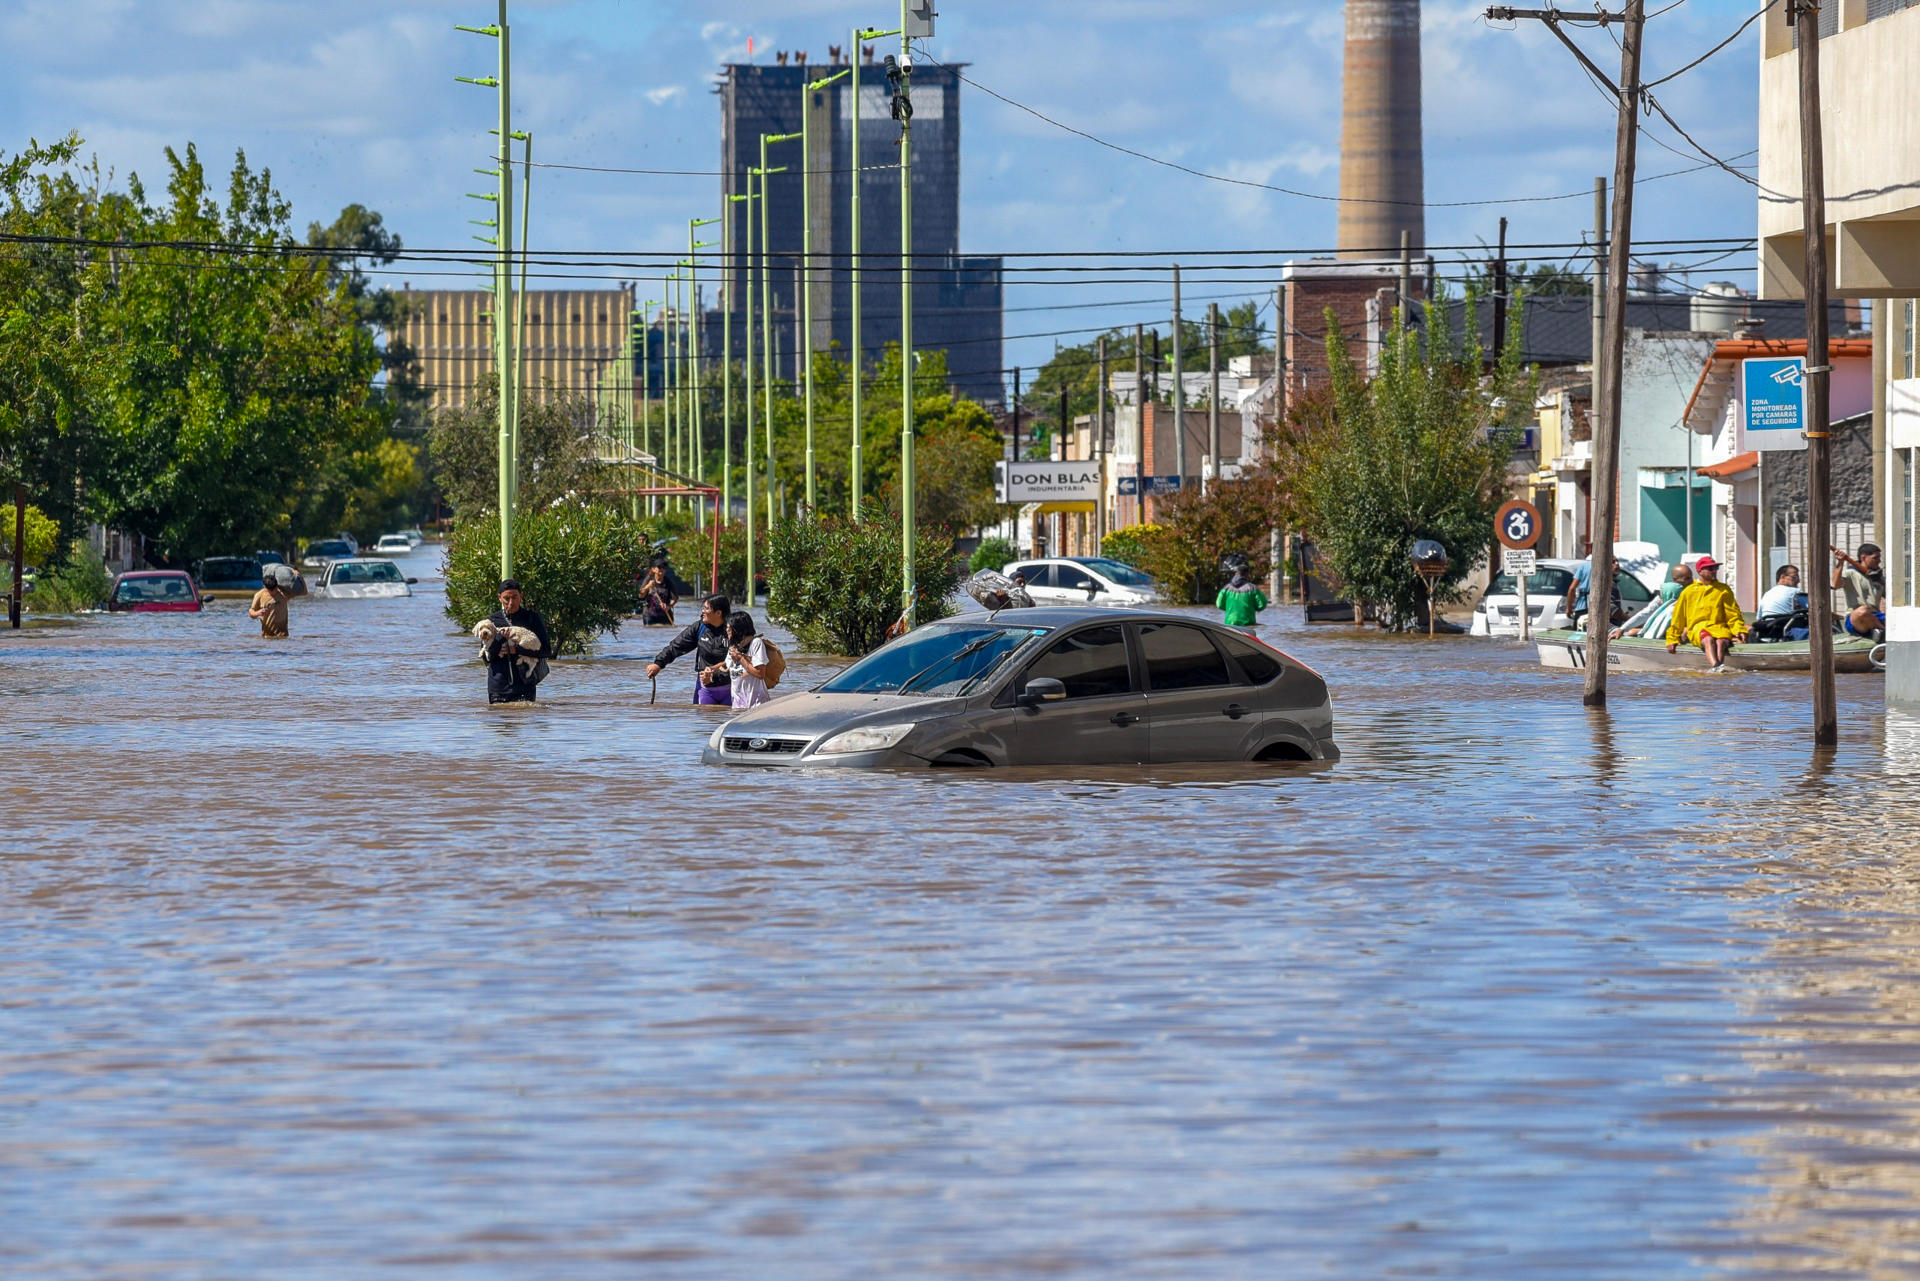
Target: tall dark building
{"x":957,"y":298}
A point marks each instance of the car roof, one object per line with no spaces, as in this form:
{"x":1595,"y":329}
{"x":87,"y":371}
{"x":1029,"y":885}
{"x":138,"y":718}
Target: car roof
{"x":1064,"y":615}
{"x":156,"y":573}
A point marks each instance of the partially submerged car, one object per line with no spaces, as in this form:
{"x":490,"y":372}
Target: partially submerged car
{"x":1047,"y":686}
{"x":362,"y":579}
{"x":228,"y":577}
{"x":393,"y":545}
{"x":1084,"y":580}
{"x":323,"y":551}
{"x":154,"y":591}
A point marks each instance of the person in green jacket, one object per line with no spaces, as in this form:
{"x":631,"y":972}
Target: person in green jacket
{"x":1240,"y":600}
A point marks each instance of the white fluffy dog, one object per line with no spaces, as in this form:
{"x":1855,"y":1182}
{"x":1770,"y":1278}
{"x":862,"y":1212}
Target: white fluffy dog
{"x":486,"y":633}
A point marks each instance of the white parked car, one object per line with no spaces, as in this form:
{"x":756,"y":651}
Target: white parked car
{"x":1084,"y":580}
{"x":362,"y":579}
{"x":1498,"y":611}
{"x":393,"y":545}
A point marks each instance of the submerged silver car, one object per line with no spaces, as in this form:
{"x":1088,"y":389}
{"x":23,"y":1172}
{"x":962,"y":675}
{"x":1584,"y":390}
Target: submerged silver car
{"x":1064,"y":686}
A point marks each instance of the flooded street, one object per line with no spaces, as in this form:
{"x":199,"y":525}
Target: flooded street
{"x":315,"y":967}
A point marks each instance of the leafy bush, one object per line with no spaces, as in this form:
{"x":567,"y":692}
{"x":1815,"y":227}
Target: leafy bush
{"x":1129,"y":545}
{"x":992,"y":553}
{"x":575,"y":560}
{"x":43,"y":534}
{"x":1201,"y":531}
{"x":81,"y":583}
{"x":836,"y":584}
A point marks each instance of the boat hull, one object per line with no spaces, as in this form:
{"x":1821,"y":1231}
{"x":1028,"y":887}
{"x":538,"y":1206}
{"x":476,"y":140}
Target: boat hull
{"x":1568,"y":650}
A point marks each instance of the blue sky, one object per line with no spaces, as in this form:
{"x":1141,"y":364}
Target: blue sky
{"x":355,"y":101}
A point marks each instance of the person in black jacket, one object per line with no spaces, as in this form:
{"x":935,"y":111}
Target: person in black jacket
{"x":706,"y":640}
{"x":508,"y":680}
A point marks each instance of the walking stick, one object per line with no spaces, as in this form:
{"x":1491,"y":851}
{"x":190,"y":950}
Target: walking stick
{"x":656,"y":690}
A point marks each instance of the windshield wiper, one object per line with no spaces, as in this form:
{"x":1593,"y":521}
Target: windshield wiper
{"x":971,"y":647}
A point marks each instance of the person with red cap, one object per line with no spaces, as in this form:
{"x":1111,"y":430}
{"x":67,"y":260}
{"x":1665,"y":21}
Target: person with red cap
{"x":1707,"y":615}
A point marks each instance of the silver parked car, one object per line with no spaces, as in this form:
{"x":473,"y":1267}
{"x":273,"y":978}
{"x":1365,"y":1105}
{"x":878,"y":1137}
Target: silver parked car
{"x":1047,"y":686}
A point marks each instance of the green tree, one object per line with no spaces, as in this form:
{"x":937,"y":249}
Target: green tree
{"x":1421,"y":451}
{"x":236,"y":373}
{"x":836,"y":585}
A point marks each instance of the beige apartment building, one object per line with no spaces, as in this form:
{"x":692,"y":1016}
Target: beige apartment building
{"x":1870,"y":136}
{"x":573,"y":337}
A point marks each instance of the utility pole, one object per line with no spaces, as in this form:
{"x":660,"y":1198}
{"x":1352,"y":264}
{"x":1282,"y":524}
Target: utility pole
{"x":1596,"y":393}
{"x":1179,"y":389}
{"x":854,"y":479}
{"x":1100,"y":443}
{"x":1140,"y":426}
{"x":806,"y":247}
{"x":1500,"y":297}
{"x":1014,"y":452}
{"x":1813,"y":203}
{"x":17,"y":602}
{"x":1213,"y":380}
{"x":503,"y":335}
{"x":746,"y":448}
{"x":1060,"y":454}
{"x":1606,"y":434}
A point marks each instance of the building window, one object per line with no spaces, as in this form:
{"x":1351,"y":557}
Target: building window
{"x":1906,"y":340}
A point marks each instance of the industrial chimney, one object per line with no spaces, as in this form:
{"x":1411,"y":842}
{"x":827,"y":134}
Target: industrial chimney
{"x":1381,"y":184}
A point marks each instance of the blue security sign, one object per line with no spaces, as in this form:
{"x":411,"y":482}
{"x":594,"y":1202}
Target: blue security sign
{"x":1126,"y":486}
{"x":1773,"y":403}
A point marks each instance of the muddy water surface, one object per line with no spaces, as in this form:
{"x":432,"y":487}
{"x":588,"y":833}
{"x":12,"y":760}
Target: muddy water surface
{"x":314,"y":966}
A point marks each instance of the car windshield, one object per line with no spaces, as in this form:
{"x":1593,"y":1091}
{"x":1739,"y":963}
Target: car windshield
{"x":378,"y":572}
{"x":1547,"y":580}
{"x":944,"y":660}
{"x":1125,"y":575}
{"x":153,"y":589}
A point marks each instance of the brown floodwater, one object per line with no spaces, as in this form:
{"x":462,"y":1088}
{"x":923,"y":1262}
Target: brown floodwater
{"x":315,"y":966}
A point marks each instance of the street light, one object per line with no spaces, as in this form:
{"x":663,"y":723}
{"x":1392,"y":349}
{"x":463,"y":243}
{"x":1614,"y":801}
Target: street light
{"x":726,"y":357}
{"x":503,"y":316}
{"x":859,"y":419}
{"x":806,"y":242}
{"x":766,"y":307}
{"x":693,"y":266}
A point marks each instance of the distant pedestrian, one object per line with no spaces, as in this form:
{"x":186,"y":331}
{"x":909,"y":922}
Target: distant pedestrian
{"x":510,"y":680}
{"x":657,"y":599}
{"x":1241,"y":600}
{"x":1707,"y":615}
{"x":706,"y":640}
{"x":748,"y":660}
{"x":270,"y":607}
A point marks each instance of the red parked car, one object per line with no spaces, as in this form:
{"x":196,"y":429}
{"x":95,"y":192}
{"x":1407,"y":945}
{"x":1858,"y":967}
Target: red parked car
{"x":155,"y":591}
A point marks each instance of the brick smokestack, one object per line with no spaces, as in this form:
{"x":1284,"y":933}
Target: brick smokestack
{"x":1380,"y":130}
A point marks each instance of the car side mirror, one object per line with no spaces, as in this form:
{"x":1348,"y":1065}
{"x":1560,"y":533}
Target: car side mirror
{"x":1041,"y":689}
{"x":413,"y":580}
{"x":1094,"y":589}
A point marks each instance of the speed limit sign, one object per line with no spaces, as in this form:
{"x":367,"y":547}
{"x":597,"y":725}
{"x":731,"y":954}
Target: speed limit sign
{"x":1518,"y":524}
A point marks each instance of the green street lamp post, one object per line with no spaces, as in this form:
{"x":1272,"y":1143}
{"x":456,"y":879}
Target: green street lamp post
{"x":726,"y":360}
{"x":806,"y":246}
{"x":766,"y":310}
{"x":505,"y":352}
{"x":857,"y":461}
{"x":699,"y":428}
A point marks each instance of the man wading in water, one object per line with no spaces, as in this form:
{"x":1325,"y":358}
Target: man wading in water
{"x":706,"y":640}
{"x":508,"y":680}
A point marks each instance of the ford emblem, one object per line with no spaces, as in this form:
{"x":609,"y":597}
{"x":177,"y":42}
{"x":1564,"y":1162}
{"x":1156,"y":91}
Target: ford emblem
{"x":757,"y":744}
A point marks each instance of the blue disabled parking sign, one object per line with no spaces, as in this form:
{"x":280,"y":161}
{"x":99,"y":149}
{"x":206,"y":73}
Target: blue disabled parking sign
{"x":1773,"y":395}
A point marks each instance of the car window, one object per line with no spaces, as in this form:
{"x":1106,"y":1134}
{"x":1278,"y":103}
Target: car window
{"x":1633,"y":592}
{"x":384,"y":572}
{"x":1090,"y":663}
{"x":1071,"y":577}
{"x":937,"y":659}
{"x":1547,"y":580}
{"x":1259,"y":664}
{"x":1181,"y":658}
{"x":1037,"y":575}
{"x":1118,"y":571}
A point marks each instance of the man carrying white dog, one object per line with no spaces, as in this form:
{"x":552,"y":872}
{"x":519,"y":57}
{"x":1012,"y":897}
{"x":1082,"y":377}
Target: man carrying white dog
{"x":508,"y":679}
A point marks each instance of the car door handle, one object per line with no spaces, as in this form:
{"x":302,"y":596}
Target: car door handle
{"x":1234,"y":711}
{"x":1123,"y":718}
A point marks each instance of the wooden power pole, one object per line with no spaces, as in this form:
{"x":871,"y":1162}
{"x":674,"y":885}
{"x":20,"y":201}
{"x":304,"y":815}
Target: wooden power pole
{"x":1606,"y":428}
{"x":1813,"y":204}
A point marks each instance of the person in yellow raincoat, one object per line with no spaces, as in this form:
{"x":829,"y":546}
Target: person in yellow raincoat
{"x":1707,"y":615}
